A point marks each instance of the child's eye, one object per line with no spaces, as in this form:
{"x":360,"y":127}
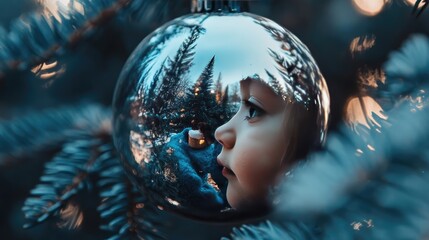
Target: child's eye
{"x":254,"y":111}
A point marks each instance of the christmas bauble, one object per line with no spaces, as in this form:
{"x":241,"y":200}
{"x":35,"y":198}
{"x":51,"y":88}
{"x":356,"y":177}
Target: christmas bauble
{"x":212,"y":108}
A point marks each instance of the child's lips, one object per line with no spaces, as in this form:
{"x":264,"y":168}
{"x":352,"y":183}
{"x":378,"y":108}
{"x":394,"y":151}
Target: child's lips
{"x":225,"y":170}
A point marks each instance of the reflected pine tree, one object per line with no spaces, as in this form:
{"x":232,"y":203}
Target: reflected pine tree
{"x":275,"y":84}
{"x":162,"y":101}
{"x":205,"y":104}
{"x":294,"y":63}
{"x":200,"y":97}
{"x":174,"y":74}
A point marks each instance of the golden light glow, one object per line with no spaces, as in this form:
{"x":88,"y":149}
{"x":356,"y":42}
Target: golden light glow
{"x":169,"y":175}
{"x":48,"y":71}
{"x":170,"y":151}
{"x":413,"y":2}
{"x":362,"y":111}
{"x":369,"y":223}
{"x":369,"y":7}
{"x":141,"y":150}
{"x":212,"y":182}
{"x":71,"y":217}
{"x":44,"y":66}
{"x":140,"y":205}
{"x":370,"y":77}
{"x":357,"y":225}
{"x":359,"y":152}
{"x":360,"y":44}
{"x":173,"y":202}
{"x":58,"y":8}
{"x":47,"y":75}
{"x":418,"y":101}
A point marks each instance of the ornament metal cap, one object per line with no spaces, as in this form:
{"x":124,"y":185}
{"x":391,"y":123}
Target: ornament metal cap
{"x":204,"y":6}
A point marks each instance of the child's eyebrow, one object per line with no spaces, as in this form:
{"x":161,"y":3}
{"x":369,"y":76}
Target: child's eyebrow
{"x":256,"y":100}
{"x":247,"y":81}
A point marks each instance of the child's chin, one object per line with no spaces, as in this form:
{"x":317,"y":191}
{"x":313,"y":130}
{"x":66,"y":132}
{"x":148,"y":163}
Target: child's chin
{"x":242,"y":203}
{"x":231,"y":197}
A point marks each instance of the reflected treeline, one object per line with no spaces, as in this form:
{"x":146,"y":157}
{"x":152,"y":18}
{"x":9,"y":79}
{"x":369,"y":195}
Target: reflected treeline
{"x":205,"y":104}
{"x":300,"y":79}
{"x":292,"y":66}
{"x":169,"y":105}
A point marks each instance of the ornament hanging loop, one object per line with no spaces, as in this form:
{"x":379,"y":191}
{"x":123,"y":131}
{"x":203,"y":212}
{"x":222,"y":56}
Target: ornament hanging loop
{"x":203,"y":6}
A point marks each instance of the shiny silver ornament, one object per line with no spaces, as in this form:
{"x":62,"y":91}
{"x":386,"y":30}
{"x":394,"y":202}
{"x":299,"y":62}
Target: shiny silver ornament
{"x":182,"y":82}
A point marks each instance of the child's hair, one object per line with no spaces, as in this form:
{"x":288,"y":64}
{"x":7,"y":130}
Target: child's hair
{"x":302,"y":132}
{"x":305,"y":124}
{"x":303,"y":87}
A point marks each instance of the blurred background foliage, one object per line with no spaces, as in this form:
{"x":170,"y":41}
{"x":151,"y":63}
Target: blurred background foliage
{"x":350,"y":40}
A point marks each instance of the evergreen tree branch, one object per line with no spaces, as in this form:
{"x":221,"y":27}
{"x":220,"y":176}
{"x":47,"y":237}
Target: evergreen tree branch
{"x":359,"y":188}
{"x":49,"y":128}
{"x":416,"y":6}
{"x":47,"y":34}
{"x":63,"y":178}
{"x":372,"y":185}
{"x":124,"y":211}
{"x":407,"y":68}
{"x":39,"y":37}
{"x":88,"y":151}
{"x":269,"y":230}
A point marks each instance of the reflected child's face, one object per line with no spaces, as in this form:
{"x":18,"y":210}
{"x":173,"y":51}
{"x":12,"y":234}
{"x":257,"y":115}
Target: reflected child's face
{"x":253,"y":143}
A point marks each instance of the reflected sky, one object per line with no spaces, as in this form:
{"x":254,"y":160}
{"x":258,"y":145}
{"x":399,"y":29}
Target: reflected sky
{"x":232,"y":63}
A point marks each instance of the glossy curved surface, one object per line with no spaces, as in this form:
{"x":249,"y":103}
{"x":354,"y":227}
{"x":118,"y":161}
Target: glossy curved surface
{"x":187,"y":75}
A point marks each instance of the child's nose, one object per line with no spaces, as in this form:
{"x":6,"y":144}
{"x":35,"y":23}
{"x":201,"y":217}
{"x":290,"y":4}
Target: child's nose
{"x":225,"y":135}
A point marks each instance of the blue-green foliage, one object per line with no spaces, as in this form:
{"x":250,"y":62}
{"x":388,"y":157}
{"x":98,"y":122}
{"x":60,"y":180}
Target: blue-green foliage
{"x":371,"y":183}
{"x":86,"y":161}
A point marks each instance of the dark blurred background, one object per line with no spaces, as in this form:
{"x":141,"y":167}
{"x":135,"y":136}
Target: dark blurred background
{"x":87,"y":72}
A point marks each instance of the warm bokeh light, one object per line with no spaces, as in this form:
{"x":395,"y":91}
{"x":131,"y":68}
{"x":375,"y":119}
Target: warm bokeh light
{"x":363,"y":111}
{"x":212,"y":182}
{"x":58,"y":8}
{"x":49,"y":71}
{"x":412,"y":2}
{"x":71,"y":217}
{"x":371,"y":77}
{"x":140,"y":148}
{"x":361,"y":44}
{"x":369,"y":7}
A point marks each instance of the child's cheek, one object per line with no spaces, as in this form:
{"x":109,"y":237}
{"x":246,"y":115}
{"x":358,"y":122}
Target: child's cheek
{"x":253,"y":170}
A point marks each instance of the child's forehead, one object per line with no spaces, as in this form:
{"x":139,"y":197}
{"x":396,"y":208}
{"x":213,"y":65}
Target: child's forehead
{"x":257,"y":85}
{"x":261,"y":90}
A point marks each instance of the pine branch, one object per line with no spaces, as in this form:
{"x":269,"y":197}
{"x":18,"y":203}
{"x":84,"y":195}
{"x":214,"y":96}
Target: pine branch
{"x":63,"y":178}
{"x":406,"y":68}
{"x":49,"y":128}
{"x":417,"y":5}
{"x":87,"y":152}
{"x":372,"y":185}
{"x":176,"y":69}
{"x":359,"y":188}
{"x":367,"y":187}
{"x":39,"y":37}
{"x":147,"y":11}
{"x":124,"y":211}
{"x":268,"y":230}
